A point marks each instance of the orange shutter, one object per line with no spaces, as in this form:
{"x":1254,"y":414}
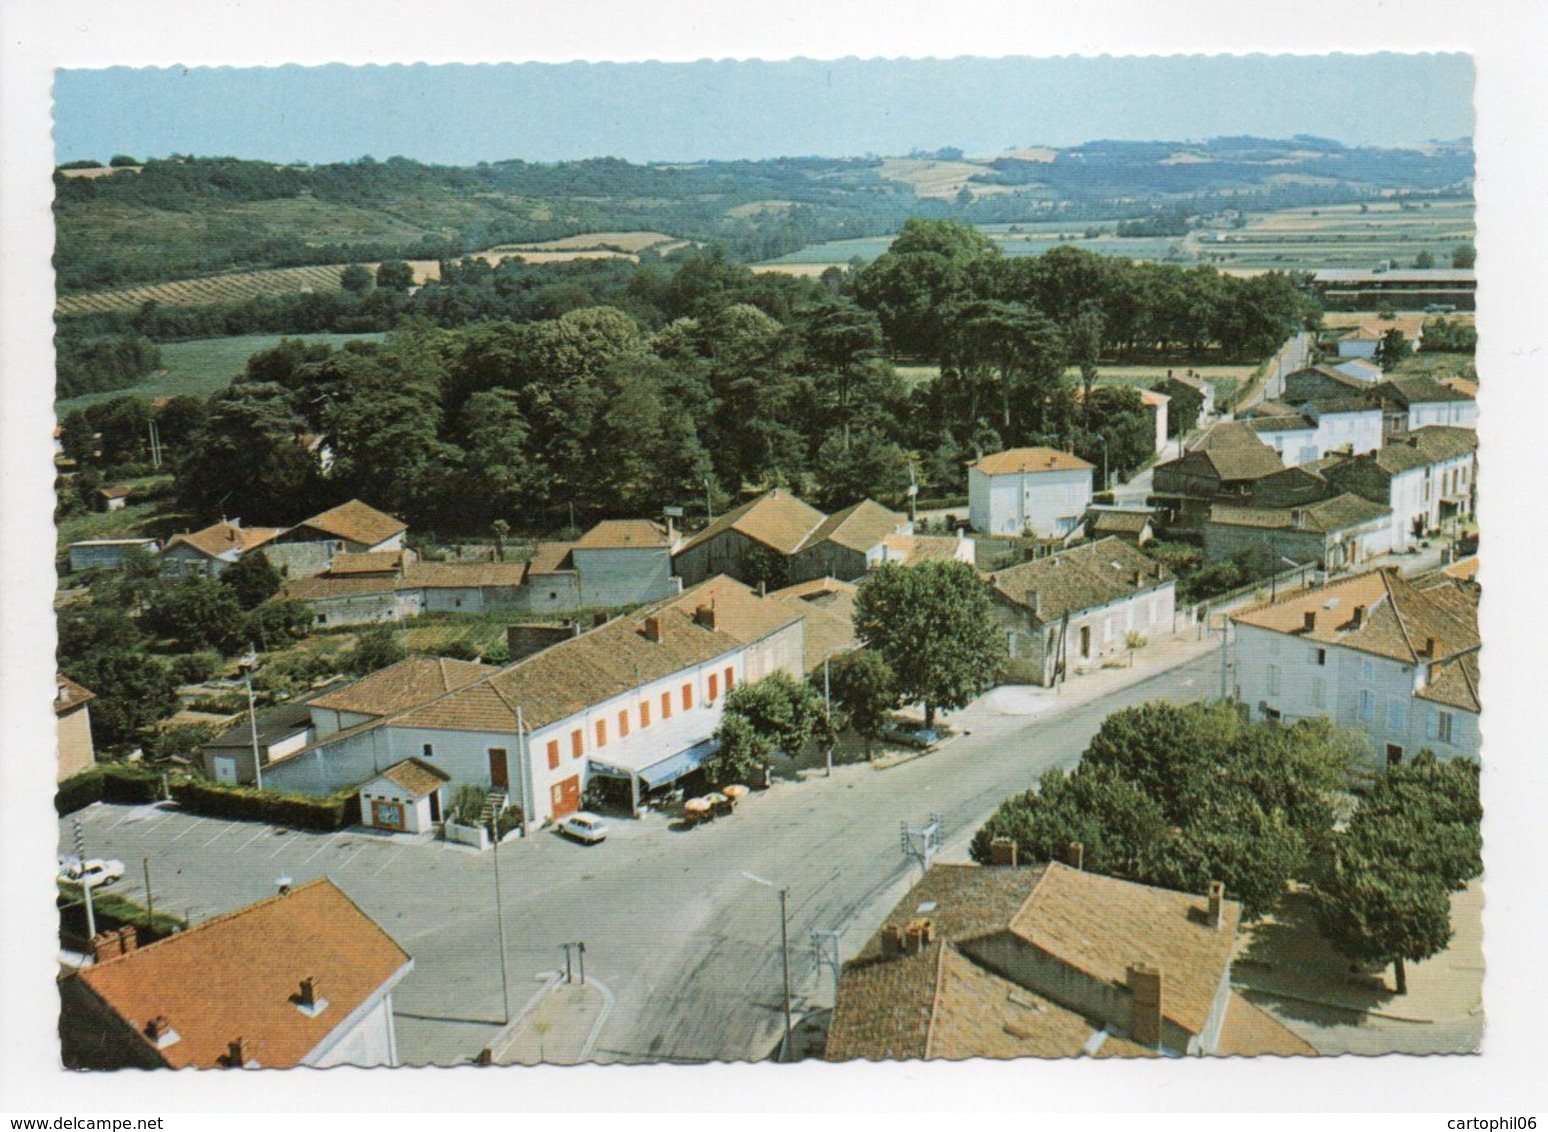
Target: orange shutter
{"x":666,"y":705}
{"x":577,"y":743}
{"x":623,"y":723}
{"x":730,"y":679}
{"x":601,"y":732}
{"x":714,"y":687}
{"x":553,"y":754}
{"x":687,"y":696}
{"x":644,"y":713}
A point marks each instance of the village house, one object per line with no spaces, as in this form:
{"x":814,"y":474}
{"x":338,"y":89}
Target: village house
{"x":113,"y":498}
{"x":1426,"y":479}
{"x":1228,"y":460}
{"x":1073,"y":611}
{"x":1411,"y":403}
{"x":848,"y":543}
{"x":303,"y":978}
{"x":1338,"y":533}
{"x":776,"y":523}
{"x":1134,"y":527}
{"x":827,"y":608}
{"x":354,"y":527}
{"x":212,"y":549}
{"x":408,"y":797}
{"x":1049,"y":961}
{"x":1373,"y":652}
{"x":72,"y":723}
{"x":1029,"y":491}
{"x":634,"y":702}
{"x":911,"y":550}
{"x":1360,"y":369}
{"x":107,"y":553}
{"x":275,"y":732}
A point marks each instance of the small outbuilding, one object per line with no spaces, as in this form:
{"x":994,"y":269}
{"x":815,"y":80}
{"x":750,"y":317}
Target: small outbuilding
{"x":406,"y":797}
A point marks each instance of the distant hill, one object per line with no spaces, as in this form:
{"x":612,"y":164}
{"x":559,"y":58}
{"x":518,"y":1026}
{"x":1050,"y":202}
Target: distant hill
{"x":187,"y":217}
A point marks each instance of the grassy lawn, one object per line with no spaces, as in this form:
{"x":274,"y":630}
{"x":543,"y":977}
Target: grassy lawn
{"x":202,"y":367}
{"x":149,"y":518}
{"x":1435,"y":365}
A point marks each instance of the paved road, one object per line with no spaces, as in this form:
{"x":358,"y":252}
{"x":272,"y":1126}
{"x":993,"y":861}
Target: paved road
{"x":689,"y":946}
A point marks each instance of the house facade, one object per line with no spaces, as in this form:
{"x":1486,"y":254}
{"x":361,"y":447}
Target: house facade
{"x":1337,"y":534}
{"x":303,"y":978}
{"x":407,"y":797}
{"x":1074,"y":611}
{"x":1411,"y":403}
{"x":211,"y":550}
{"x":1426,"y":478}
{"x":636,"y":700}
{"x":108,"y":553}
{"x":776,"y":523}
{"x":1037,"y":491}
{"x":354,"y":527}
{"x":1372,"y":652}
{"x":72,"y":722}
{"x":849,"y":543}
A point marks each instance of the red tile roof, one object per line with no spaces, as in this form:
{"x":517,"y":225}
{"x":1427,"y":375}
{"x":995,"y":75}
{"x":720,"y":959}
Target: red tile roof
{"x":1030,"y":460}
{"x":238,"y":975}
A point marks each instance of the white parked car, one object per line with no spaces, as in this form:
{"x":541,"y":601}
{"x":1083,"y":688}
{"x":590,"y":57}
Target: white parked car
{"x":584,"y":827}
{"x":93,"y":872}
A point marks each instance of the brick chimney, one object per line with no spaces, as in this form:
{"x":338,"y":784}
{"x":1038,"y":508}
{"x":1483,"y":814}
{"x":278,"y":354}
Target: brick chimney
{"x":1359,"y":617}
{"x":921,"y":933}
{"x":1077,"y":853}
{"x":1309,"y":621}
{"x":893,"y":939}
{"x":1216,"y":904}
{"x":310,"y":996}
{"x":705,"y":615}
{"x":1002,"y":852}
{"x":653,"y":629}
{"x":1145,"y":1004}
{"x":1429,"y":646}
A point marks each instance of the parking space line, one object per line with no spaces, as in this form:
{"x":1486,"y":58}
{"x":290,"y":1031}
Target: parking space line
{"x":253,"y":838}
{"x":387,"y":864}
{"x":197,"y":822}
{"x":284,"y":843}
{"x":219,"y":835}
{"x":330,"y":840}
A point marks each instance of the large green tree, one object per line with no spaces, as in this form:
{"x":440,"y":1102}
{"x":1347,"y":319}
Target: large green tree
{"x":786,"y":712}
{"x":252,"y":579}
{"x":864,"y":692}
{"x":932,"y":625}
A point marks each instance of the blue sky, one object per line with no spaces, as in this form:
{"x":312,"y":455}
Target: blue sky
{"x":457,"y":114}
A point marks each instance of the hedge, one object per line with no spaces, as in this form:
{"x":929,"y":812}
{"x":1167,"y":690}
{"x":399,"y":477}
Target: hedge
{"x":107,"y":782}
{"x":244,"y":803}
{"x":113,"y":911}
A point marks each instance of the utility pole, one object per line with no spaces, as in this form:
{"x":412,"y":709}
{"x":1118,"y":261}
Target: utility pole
{"x":709,"y":501}
{"x":505,"y":979}
{"x":784,"y":950}
{"x":252,"y":724}
{"x":827,"y":699}
{"x":825,"y":953}
{"x":1225,"y":627}
{"x":150,"y":901}
{"x":80,"y":855}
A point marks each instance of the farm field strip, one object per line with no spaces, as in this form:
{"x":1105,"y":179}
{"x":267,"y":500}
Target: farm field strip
{"x":229,"y":288}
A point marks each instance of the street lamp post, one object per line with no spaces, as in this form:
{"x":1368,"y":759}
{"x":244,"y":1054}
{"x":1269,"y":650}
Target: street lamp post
{"x":1107,"y":482}
{"x":784,"y":949}
{"x":249,"y":662}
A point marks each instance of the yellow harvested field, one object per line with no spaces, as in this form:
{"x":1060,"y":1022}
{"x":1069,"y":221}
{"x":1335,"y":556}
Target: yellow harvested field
{"x":1042,"y":154}
{"x":105,"y":171}
{"x":799,"y":270}
{"x":232,"y":287}
{"x":944,"y":179}
{"x":593,"y":241}
{"x":1405,"y":320}
{"x":758,"y":208}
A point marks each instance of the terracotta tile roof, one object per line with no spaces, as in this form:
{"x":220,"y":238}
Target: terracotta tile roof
{"x":237,"y":975}
{"x":1464,"y":569}
{"x":1081,"y":578}
{"x":462,"y":575}
{"x":551,"y":558}
{"x":1151,"y":398}
{"x":1268,"y":408}
{"x":68,"y":695}
{"x":1103,"y":522}
{"x":219,"y":539}
{"x":1030,"y":460}
{"x":979,"y":1014}
{"x":1398,"y":619}
{"x":1101,"y":925}
{"x":1326,"y":516}
{"x":859,"y":527}
{"x":969,"y":902}
{"x":815,"y":588}
{"x":417,"y":777}
{"x":355,"y":522}
{"x":1229,"y":452}
{"x":1454,"y":683}
{"x":114,"y":492}
{"x":1250,"y":1032}
{"x":884,"y":1007}
{"x":911,"y":550}
{"x":777,"y":520}
{"x":371,"y":562}
{"x":414,"y":680}
{"x":739,"y":611}
{"x":1465,"y":386}
{"x":1406,"y":391}
{"x":623,"y":534}
{"x":827,"y":609}
{"x":323,"y":587}
{"x":1351,"y":403}
{"x":1295,"y":423}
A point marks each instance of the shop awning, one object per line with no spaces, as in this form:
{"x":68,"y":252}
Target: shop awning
{"x":670,"y":769}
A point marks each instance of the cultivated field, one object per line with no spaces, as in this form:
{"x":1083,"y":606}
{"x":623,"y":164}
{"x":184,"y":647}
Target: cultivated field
{"x":233,"y":287}
{"x":1305,"y":239}
{"x":202,"y":367}
{"x":944,"y":179}
{"x":632,"y":242}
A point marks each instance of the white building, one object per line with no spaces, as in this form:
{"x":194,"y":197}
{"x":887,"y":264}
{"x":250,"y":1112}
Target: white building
{"x":212,"y":549}
{"x":1075,"y":611}
{"x":635,"y":700}
{"x":409,"y":797}
{"x":1426,"y":478}
{"x":1412,"y":403}
{"x":1036,"y":491}
{"x":1372,"y":652}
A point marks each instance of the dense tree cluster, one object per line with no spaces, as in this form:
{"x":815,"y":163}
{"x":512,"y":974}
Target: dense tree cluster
{"x":99,"y":364}
{"x":1181,"y":795}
